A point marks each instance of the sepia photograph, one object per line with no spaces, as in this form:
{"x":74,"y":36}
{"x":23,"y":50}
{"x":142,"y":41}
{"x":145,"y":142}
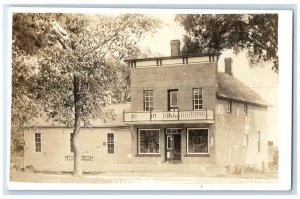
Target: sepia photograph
{"x":145,"y":98}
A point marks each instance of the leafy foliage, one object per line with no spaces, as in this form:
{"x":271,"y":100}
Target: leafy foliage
{"x":97,"y":43}
{"x":22,"y":108}
{"x":28,"y":38}
{"x":255,"y":33}
{"x":61,"y":46}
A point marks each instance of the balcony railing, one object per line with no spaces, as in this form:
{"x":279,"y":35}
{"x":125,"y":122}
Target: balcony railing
{"x":168,"y":115}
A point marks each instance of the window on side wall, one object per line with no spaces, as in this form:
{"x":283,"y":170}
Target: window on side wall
{"x":148,"y":141}
{"x":258,"y":141}
{"x":245,"y":109}
{"x":197,"y":141}
{"x":110,"y":143}
{"x":197,"y":99}
{"x":245,"y":140}
{"x":71,"y":142}
{"x":229,"y":106}
{"x":38,"y":142}
{"x":148,"y":100}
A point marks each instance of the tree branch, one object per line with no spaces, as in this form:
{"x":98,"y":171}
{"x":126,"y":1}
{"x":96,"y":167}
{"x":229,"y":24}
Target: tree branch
{"x":106,"y":41}
{"x":261,"y":45}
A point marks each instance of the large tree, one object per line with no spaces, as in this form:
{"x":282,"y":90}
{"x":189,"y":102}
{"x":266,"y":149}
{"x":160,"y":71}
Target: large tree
{"x":77,"y":58}
{"x":257,"y":34}
{"x":27,"y":39}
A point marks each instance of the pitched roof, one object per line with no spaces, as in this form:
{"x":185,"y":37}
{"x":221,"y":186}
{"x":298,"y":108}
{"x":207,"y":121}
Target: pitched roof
{"x":116,"y":109}
{"x":230,"y":87}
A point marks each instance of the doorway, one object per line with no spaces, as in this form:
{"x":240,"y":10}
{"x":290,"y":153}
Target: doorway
{"x":173,"y":100}
{"x":173,"y":144}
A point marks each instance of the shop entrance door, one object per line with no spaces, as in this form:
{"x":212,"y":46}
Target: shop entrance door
{"x":173,"y":144}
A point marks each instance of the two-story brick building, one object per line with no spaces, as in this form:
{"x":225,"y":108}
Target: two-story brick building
{"x":182,"y":111}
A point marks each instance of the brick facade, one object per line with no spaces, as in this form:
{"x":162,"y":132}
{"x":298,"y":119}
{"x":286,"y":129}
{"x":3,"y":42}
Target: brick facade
{"x":181,"y":77}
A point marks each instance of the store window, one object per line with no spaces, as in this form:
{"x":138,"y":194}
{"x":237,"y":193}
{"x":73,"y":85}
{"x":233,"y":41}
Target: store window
{"x":197,"y":141}
{"x":148,"y":141}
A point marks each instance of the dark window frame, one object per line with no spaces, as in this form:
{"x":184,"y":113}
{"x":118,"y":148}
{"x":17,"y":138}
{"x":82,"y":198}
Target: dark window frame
{"x":148,"y":100}
{"x":139,"y":142}
{"x":245,"y":140}
{"x":187,"y":142}
{"x":245,"y":108}
{"x":170,"y":97}
{"x":196,"y":102}
{"x":229,"y":106}
{"x":38,"y":142}
{"x":110,"y":138}
{"x":258,"y":141}
{"x":71,"y":142}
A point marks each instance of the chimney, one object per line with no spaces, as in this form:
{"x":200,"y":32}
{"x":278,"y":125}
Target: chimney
{"x":175,"y":47}
{"x":228,"y":62}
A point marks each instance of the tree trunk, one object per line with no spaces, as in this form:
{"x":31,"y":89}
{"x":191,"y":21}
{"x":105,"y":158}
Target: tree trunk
{"x":77,"y":154}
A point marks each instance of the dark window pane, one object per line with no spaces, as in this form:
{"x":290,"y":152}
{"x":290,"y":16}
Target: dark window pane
{"x":149,"y":141}
{"x":71,"y":142}
{"x":174,"y":98}
{"x":148,"y":100}
{"x":110,"y":143}
{"x":197,"y":98}
{"x":198,"y":141}
{"x":38,"y":144}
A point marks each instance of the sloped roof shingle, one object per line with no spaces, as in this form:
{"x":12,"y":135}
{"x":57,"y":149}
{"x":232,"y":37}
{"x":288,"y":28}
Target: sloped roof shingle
{"x":231,"y":88}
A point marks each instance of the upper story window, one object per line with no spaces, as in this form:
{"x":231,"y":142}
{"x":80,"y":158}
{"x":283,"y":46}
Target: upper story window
{"x":148,"y":100}
{"x":229,"y":106}
{"x":38,"y":142}
{"x":197,"y":99}
{"x":245,"y":109}
{"x":173,"y":100}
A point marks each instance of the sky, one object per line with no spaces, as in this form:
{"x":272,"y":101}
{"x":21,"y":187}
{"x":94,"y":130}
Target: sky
{"x":261,"y":79}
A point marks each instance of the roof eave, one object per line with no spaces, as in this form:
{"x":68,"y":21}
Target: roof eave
{"x":83,"y":127}
{"x":243,"y":101}
{"x":174,"y":57}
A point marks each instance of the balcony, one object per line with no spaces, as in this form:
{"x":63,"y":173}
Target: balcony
{"x":206,"y":116}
